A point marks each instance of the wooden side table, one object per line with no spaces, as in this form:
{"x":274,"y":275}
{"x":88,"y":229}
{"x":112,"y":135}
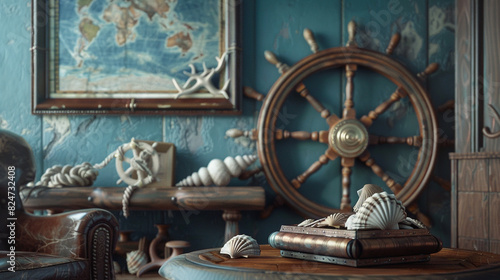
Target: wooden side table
{"x":231,"y":200}
{"x":446,"y":264}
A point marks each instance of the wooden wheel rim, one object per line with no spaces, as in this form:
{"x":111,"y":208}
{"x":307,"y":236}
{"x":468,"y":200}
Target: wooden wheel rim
{"x":335,"y":58}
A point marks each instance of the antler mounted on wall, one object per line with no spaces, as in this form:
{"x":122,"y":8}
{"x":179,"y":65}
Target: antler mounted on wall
{"x":203,"y":79}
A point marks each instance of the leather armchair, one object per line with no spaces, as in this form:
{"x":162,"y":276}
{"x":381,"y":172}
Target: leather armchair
{"x":71,"y":245}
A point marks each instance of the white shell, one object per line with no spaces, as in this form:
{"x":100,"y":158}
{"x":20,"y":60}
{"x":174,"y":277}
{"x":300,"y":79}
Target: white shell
{"x":219,"y":172}
{"x":305,"y":222}
{"x":334,"y":220}
{"x":349,"y":222}
{"x":135,"y":260}
{"x":117,"y":267}
{"x":379,"y":211}
{"x":241,"y":246}
{"x":410,"y":223}
{"x":364,"y":193}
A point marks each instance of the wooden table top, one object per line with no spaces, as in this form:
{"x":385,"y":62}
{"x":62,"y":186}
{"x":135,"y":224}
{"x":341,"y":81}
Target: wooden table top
{"x":448,"y":263}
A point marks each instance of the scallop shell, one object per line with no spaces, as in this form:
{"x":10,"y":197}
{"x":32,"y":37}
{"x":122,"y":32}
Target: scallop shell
{"x":135,"y":260}
{"x":305,"y":222}
{"x":379,"y":211}
{"x":349,"y":222}
{"x":410,"y":223}
{"x":365,"y":192}
{"x":219,"y":172}
{"x":334,"y":220}
{"x":241,"y":246}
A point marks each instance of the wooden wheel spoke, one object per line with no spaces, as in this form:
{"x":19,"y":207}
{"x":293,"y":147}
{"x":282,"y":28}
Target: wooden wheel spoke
{"x":370,"y":162}
{"x":320,"y":136}
{"x":235,"y":133}
{"x":393,"y":43}
{"x":349,"y":111}
{"x":252,"y":93}
{"x":397,"y":95}
{"x":332,"y":120}
{"x":431,"y":68}
{"x":304,"y":92}
{"x":411,"y":140}
{"x":301,"y":88}
{"x":323,"y":159}
{"x":347,"y":164}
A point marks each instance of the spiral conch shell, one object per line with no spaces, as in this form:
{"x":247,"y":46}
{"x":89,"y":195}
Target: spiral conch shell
{"x":241,"y":246}
{"x":136,"y":259}
{"x":219,"y":172}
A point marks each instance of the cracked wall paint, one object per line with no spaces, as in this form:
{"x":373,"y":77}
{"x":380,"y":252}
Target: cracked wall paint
{"x":441,"y":22}
{"x":411,"y":41}
{"x":190,"y":134}
{"x":283,"y":35}
{"x":3,"y":123}
{"x":60,"y":128}
{"x":243,"y":144}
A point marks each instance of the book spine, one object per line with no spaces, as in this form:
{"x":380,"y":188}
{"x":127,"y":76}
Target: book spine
{"x":313,"y":244}
{"x":355,"y":248}
{"x":397,"y":246}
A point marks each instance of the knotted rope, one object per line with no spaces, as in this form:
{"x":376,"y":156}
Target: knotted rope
{"x":85,"y":174}
{"x":59,"y":176}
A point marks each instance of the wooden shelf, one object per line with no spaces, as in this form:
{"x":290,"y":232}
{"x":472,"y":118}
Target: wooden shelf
{"x":229,"y":199}
{"x":167,"y":198}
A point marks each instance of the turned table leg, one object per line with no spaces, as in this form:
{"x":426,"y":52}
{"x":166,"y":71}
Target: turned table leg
{"x":232,"y":217}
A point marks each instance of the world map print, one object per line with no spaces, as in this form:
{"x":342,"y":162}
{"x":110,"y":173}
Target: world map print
{"x":124,"y":46}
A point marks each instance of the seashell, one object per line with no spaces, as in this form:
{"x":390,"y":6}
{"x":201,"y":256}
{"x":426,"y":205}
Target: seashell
{"x":334,"y":220}
{"x":219,"y":172}
{"x":117,"y":267}
{"x":379,"y":211}
{"x":365,"y":192}
{"x":349,"y":222}
{"x":135,"y":260}
{"x":241,"y":246}
{"x":410,"y":223}
{"x":306,"y":222}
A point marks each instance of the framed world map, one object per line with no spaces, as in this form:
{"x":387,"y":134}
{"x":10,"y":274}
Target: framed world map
{"x":136,"y":56}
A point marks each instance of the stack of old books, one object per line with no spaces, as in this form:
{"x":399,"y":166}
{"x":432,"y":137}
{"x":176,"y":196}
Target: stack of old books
{"x":355,"y":247}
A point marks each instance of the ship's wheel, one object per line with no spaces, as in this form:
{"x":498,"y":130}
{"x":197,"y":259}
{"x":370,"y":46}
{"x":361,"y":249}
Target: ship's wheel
{"x":144,"y":163}
{"x":346,"y":136}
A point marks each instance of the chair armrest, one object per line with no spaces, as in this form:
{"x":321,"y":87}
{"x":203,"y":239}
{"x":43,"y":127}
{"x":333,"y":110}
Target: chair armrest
{"x":90,"y":234}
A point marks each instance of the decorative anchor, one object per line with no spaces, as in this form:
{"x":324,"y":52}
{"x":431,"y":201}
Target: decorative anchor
{"x":203,"y":79}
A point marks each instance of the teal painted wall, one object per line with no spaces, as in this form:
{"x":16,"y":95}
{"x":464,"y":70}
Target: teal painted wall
{"x":427,"y":28}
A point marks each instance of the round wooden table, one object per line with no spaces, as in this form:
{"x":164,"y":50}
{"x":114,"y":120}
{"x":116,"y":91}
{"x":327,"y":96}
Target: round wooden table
{"x":446,"y":264}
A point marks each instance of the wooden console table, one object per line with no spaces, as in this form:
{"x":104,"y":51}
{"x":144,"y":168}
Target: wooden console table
{"x":231,"y":200}
{"x":446,"y":264}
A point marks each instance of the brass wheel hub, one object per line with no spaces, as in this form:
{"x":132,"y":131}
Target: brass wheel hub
{"x":349,"y":138}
